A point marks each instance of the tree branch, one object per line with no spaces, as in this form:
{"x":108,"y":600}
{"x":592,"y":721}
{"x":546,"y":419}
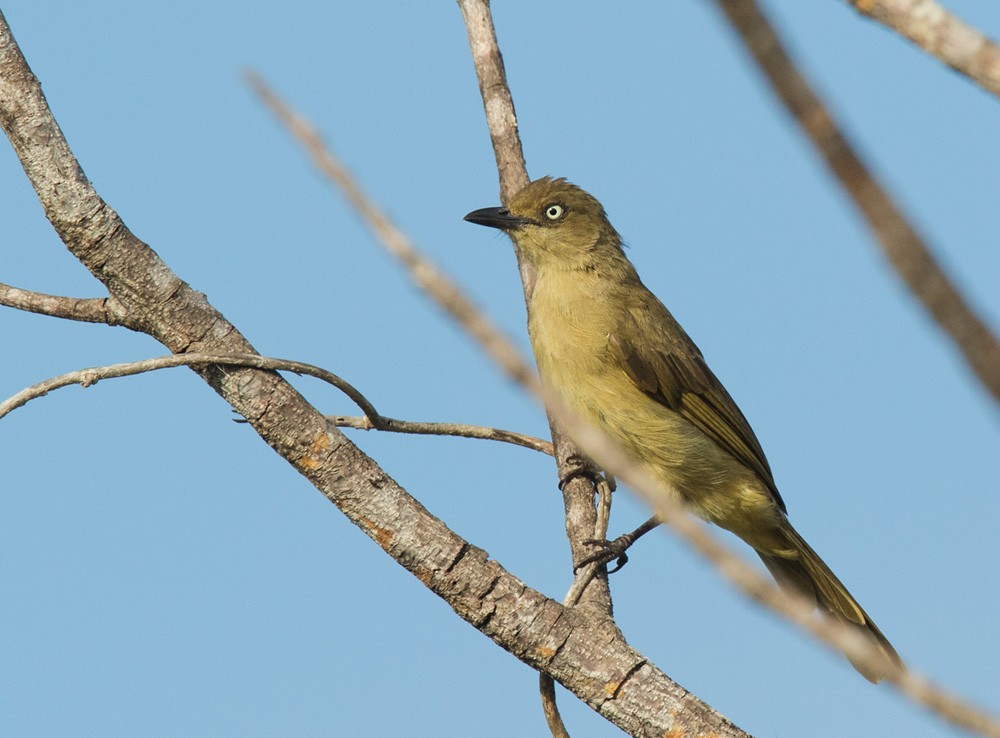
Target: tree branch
{"x":730,"y":564}
{"x":577,"y":488}
{"x":942,"y":35}
{"x":88,"y":310}
{"x":902,"y":245}
{"x":393,"y":425}
{"x":372,"y":420}
{"x":589,"y":657}
{"x":421,"y":269}
{"x":92,"y":375}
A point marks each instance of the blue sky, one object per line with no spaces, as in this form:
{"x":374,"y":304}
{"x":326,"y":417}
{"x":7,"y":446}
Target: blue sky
{"x":162,"y":572}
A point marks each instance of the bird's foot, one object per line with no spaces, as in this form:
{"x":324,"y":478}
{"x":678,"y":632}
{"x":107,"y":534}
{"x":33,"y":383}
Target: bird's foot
{"x":607,"y":551}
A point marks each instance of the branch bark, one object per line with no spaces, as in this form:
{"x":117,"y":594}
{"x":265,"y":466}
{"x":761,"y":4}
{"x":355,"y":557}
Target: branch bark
{"x":905,"y":249}
{"x":942,"y":35}
{"x":88,"y":310}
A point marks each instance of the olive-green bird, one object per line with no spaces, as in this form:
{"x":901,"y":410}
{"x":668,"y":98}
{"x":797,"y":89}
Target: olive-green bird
{"x":611,"y":349}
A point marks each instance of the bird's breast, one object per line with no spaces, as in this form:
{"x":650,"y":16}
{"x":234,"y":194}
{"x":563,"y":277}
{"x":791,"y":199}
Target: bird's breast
{"x":570,"y":327}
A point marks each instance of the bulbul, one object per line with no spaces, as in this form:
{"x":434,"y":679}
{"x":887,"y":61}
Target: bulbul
{"x":616,"y":355}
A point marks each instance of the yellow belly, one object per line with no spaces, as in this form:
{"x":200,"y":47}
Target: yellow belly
{"x":574,"y":360}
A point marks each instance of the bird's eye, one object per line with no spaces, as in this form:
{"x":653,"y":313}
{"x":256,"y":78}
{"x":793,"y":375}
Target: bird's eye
{"x":554,"y":211}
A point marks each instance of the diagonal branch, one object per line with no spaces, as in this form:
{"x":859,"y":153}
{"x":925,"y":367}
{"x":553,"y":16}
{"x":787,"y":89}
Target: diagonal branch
{"x":585,"y":655}
{"x":427,"y":276}
{"x":902,"y":245}
{"x":942,"y":35}
{"x":88,"y":310}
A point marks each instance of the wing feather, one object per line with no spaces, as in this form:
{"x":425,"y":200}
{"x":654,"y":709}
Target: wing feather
{"x":672,"y":371}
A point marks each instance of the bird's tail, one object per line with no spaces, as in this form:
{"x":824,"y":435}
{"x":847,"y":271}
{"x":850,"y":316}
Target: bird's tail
{"x":807,"y":574}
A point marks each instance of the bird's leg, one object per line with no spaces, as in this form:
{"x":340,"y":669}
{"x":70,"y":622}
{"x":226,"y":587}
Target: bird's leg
{"x":608,"y":550}
{"x":578,"y":466}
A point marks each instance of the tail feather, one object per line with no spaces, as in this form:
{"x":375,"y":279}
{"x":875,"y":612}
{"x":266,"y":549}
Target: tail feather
{"x":805,"y":573}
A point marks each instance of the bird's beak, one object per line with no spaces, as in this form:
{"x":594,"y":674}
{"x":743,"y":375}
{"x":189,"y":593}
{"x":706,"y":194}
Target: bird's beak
{"x":495,"y":218}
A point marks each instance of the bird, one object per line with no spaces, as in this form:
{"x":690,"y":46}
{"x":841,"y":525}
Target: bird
{"x":615,"y":355}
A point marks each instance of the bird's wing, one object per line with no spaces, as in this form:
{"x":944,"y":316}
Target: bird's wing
{"x":670,"y":369}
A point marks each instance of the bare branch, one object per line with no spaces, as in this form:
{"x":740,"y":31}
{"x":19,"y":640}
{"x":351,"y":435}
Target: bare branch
{"x":942,"y":35}
{"x":371,"y":420}
{"x":92,"y":375}
{"x":732,"y":565}
{"x":577,"y":488}
{"x":586,"y":655}
{"x":902,"y":245}
{"x":497,"y":100}
{"x":88,"y":310}
{"x":462,"y":430}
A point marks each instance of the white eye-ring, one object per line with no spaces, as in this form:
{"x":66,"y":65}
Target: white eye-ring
{"x":554,"y":211}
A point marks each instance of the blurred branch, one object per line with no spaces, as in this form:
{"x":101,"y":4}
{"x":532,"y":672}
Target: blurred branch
{"x":421,"y":269}
{"x":902,"y":245}
{"x":942,"y":35}
{"x":88,"y":310}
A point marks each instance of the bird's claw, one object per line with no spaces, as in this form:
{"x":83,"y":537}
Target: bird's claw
{"x":607,"y":551}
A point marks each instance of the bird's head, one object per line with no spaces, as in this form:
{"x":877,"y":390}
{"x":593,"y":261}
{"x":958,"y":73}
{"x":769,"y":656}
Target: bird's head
{"x":554,"y":224}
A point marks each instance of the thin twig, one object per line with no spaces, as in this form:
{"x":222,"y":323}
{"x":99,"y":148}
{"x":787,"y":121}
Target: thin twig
{"x":903,"y":246}
{"x":578,"y":479}
{"x":372,"y":420}
{"x":88,"y":377}
{"x":88,"y":310}
{"x":393,"y":425}
{"x":941,"y":34}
